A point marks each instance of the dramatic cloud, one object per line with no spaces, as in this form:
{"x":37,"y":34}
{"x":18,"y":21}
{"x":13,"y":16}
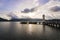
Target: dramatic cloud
{"x":26,"y":10}
{"x":31,"y":8}
{"x":55,"y":9}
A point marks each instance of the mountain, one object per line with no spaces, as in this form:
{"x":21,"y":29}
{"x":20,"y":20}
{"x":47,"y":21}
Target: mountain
{"x":1,"y":19}
{"x":22,"y":19}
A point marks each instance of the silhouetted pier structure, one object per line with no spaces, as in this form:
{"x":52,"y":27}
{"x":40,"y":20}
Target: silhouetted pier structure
{"x":53,"y":23}
{"x":33,"y":21}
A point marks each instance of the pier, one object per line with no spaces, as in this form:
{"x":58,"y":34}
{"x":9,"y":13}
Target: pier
{"x":33,"y":21}
{"x":53,"y":23}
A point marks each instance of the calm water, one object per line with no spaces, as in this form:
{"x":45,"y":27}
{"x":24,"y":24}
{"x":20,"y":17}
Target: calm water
{"x":17,"y":31}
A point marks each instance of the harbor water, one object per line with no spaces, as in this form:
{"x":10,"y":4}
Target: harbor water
{"x":17,"y":31}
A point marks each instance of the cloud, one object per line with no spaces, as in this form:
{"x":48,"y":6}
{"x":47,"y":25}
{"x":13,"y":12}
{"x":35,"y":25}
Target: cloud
{"x":12,"y":15}
{"x":5,"y":16}
{"x":55,"y":9}
{"x":26,"y":10}
{"x":10,"y":5}
{"x":34,"y":10}
{"x":42,"y":2}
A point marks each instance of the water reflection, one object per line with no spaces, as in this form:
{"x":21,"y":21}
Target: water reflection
{"x":43,"y":28}
{"x":29,"y":29}
{"x":12,"y":29}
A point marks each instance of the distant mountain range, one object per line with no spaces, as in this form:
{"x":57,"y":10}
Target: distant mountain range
{"x":1,"y":19}
{"x":31,"y":20}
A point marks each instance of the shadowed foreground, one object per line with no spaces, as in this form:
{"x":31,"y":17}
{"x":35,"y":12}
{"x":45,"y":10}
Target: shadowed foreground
{"x":17,"y":31}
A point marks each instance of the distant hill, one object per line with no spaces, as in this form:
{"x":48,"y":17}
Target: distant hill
{"x":1,"y":19}
{"x":26,"y":20}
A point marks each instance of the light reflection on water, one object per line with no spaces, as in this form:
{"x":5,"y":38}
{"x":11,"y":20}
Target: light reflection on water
{"x":15,"y":30}
{"x":29,"y":29}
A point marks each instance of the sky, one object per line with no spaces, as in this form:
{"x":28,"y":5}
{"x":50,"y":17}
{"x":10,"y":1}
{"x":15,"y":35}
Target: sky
{"x":11,"y":5}
{"x":36,"y":8}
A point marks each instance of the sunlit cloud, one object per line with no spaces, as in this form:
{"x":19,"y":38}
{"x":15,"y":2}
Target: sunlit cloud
{"x":36,"y":8}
